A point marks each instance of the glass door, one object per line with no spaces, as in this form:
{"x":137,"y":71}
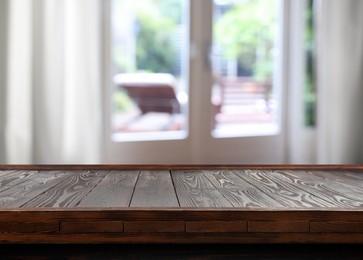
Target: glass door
{"x":238,"y":81}
{"x":146,"y":66}
{"x":196,"y":82}
{"x":244,"y":61}
{"x":150,"y":94}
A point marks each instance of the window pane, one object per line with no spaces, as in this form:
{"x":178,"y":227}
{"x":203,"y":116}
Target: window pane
{"x":149,"y":45}
{"x":244,"y":59}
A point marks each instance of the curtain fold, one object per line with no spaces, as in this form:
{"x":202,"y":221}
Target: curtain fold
{"x":53,"y":85}
{"x":340,"y":81}
{"x":18,"y":87}
{"x":4,"y":10}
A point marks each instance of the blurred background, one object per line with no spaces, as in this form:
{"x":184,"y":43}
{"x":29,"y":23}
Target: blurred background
{"x":181,"y":82}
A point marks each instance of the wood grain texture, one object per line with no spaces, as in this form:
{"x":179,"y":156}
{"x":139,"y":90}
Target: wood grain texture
{"x":8,"y":174}
{"x":18,"y":195}
{"x":5,"y":173}
{"x":154,"y":189}
{"x":185,"y":238}
{"x":278,"y":226}
{"x":343,"y":174}
{"x":334,"y":181}
{"x":318,"y":188}
{"x":91,"y":227}
{"x":179,"y":214}
{"x":195,"y":190}
{"x":239,"y":192}
{"x":216,"y":226}
{"x":115,"y":190}
{"x":14,"y":178}
{"x":337,"y":227}
{"x":154,"y":226}
{"x":69,"y":192}
{"x":286,"y":193}
{"x":29,"y":227}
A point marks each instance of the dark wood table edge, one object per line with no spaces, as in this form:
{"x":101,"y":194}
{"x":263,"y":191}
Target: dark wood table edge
{"x":179,"y":167}
{"x":180,"y":214}
{"x":179,"y":226}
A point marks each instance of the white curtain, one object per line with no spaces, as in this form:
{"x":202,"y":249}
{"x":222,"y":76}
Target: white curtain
{"x":3,"y":53}
{"x":50,"y":92}
{"x":340,"y":81}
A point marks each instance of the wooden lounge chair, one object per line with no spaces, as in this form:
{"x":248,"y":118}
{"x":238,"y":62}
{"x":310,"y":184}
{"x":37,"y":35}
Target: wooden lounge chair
{"x":152,"y":92}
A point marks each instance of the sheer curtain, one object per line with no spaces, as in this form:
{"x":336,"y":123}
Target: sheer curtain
{"x":50,"y":82}
{"x":340,"y":81}
{"x":3,"y":74}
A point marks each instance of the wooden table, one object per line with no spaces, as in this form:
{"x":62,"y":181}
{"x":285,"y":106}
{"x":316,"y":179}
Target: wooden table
{"x":181,"y":204}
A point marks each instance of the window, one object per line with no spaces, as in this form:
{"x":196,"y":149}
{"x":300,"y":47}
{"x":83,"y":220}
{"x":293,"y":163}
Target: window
{"x":244,"y":61}
{"x":149,"y":65}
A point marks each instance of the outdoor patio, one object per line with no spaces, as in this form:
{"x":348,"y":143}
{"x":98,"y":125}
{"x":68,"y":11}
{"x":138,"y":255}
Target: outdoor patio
{"x":157,"y":103}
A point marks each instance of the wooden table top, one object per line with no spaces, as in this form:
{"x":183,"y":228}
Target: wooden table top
{"x":239,"y":187}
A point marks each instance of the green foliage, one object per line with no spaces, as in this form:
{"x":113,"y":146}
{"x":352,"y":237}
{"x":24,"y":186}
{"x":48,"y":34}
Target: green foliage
{"x":123,"y":63}
{"x":247,"y":33}
{"x":156,"y":50}
{"x":263,"y":70}
{"x":309,"y":87}
{"x":121,"y":101}
{"x":171,"y":9}
{"x":156,"y":23}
